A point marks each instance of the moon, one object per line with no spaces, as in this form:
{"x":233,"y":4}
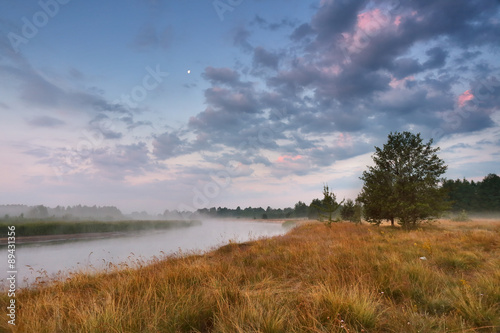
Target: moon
{"x":189,"y":71}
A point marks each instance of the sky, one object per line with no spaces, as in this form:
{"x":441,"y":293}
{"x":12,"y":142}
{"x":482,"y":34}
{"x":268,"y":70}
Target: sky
{"x":179,"y":105}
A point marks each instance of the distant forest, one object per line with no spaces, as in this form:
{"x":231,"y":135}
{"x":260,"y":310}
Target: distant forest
{"x":483,"y":196}
{"x":473,"y":197}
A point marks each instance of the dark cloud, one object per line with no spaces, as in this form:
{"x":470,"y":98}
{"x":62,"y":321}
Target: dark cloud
{"x":168,"y":145}
{"x":302,"y":31}
{"x":263,"y":58}
{"x":456,"y":19}
{"x":234,"y":101}
{"x":45,"y":121}
{"x":272,"y":26}
{"x":221,"y":76}
{"x":336,"y":16}
{"x":437,"y":58}
{"x":240,"y":39}
{"x":357,"y":68}
{"x":404,"y":67}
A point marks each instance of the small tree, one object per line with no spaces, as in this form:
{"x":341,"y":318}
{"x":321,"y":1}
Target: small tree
{"x":404,"y":182}
{"x":329,"y":205}
{"x":314,"y":209}
{"x":351,"y":211}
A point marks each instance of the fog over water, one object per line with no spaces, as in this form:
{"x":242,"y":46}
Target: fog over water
{"x":96,"y":254}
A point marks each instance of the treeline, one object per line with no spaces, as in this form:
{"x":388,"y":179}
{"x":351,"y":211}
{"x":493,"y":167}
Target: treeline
{"x":105,"y":213}
{"x":300,"y":210}
{"x":482,"y":196}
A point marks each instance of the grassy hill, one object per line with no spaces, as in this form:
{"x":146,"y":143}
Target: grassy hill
{"x":343,"y":278}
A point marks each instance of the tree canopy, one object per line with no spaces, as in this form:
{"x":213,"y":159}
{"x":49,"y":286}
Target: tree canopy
{"x":481,"y":196}
{"x":404,"y":182}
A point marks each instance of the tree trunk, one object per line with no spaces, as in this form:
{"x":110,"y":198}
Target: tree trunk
{"x":392,"y":221}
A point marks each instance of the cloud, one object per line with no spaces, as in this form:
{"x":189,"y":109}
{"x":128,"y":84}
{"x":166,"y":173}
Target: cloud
{"x":235,"y":101}
{"x":240,"y":39}
{"x":335,"y":16}
{"x":45,"y":121}
{"x":149,"y":38}
{"x":355,"y":71}
{"x":288,"y":165}
{"x":437,"y":58}
{"x":301,"y":32}
{"x":122,"y":160}
{"x":272,"y":26}
{"x":221,"y":76}
{"x":348,"y":74}
{"x":465,"y":97}
{"x":263,"y":58}
{"x":168,"y":145}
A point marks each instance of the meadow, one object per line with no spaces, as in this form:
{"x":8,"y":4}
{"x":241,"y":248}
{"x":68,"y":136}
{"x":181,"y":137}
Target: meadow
{"x":443,"y":277}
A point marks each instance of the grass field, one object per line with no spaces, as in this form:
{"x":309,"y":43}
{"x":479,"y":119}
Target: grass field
{"x":343,"y":278}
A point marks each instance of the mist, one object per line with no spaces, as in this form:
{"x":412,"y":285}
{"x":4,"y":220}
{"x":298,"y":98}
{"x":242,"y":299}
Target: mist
{"x":57,"y":259}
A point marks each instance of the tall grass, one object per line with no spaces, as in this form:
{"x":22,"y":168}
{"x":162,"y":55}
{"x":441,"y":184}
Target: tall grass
{"x":343,"y":278}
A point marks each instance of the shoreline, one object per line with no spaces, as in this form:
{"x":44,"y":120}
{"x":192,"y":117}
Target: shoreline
{"x":99,"y":235}
{"x":62,"y":237}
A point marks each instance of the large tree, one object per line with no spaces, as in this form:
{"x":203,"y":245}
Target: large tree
{"x":404,"y":182}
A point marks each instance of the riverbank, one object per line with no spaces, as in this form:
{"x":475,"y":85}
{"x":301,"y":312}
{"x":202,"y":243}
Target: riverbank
{"x":44,"y":231}
{"x":63,"y":237}
{"x":313,"y":279}
{"x":61,"y":234}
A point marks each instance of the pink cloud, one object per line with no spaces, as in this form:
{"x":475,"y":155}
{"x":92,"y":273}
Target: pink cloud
{"x":397,"y":20}
{"x":369,"y":24}
{"x":344,"y":140}
{"x":465,"y":97}
{"x":333,"y":70}
{"x":288,"y":158}
{"x":400,"y":84}
{"x":372,"y":21}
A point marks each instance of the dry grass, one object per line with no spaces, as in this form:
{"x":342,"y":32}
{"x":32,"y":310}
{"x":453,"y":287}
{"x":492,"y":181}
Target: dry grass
{"x":343,"y":278}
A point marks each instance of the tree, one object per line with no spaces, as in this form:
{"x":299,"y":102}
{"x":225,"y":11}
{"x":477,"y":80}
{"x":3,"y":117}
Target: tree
{"x":351,"y":211}
{"x":489,"y":193}
{"x":404,"y":182}
{"x":328,"y":205}
{"x":314,"y":209}
{"x":300,"y":209}
{"x":462,"y":194}
{"x":38,"y":212}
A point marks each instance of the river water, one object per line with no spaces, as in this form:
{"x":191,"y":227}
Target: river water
{"x":46,"y":260}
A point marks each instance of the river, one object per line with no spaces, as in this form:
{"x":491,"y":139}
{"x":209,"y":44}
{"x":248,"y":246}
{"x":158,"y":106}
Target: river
{"x":46,"y":260}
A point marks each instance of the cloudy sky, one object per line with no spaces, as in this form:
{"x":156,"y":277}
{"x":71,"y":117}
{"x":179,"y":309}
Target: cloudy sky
{"x":170,"y":104}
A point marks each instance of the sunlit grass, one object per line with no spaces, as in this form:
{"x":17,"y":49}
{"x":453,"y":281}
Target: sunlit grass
{"x":343,"y":278}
